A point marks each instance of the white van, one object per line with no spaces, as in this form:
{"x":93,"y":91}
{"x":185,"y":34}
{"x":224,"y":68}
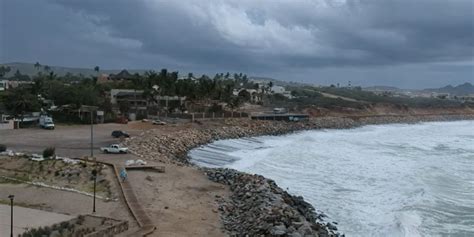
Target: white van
{"x":46,"y":122}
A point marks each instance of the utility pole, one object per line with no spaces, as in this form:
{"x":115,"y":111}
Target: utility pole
{"x":92,"y":133}
{"x":11,"y":216}
{"x":94,"y":172}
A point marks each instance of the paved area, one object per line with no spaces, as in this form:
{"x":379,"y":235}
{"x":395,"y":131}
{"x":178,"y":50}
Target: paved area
{"x":70,"y":141}
{"x":24,"y":218}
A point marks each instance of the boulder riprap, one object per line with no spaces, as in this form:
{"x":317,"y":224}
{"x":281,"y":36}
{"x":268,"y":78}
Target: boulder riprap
{"x":173,"y":147}
{"x":258,"y":207}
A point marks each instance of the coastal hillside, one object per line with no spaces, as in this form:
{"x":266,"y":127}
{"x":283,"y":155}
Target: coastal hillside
{"x":459,"y":90}
{"x":30,"y":69}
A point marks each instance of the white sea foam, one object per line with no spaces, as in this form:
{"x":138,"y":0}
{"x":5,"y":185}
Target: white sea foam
{"x":383,"y":180}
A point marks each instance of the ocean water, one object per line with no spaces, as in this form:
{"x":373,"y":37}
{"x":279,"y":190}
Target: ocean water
{"x":378,"y":180}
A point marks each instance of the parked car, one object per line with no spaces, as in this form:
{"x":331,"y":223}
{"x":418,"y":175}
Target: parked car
{"x":158,"y":122}
{"x":46,"y":122}
{"x":119,"y":133}
{"x":114,"y":148}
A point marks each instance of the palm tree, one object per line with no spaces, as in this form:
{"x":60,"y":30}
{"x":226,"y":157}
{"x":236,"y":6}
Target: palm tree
{"x":37,"y":65}
{"x":97,"y":69}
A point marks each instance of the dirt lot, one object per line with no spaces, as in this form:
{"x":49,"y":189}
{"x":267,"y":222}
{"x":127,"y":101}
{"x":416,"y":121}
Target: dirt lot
{"x":181,"y":202}
{"x":70,"y":141}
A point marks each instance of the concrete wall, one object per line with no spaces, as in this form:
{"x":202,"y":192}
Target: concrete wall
{"x":8,"y":125}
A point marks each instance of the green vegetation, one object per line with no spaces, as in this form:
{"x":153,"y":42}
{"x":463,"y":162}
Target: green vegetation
{"x":19,"y":101}
{"x":3,"y":148}
{"x":55,"y":172}
{"x":22,"y":204}
{"x":77,"y":90}
{"x":49,"y":152}
{"x":83,"y":225}
{"x":4,"y":70}
{"x":66,"y":228}
{"x":357,"y":98}
{"x":365,"y":96}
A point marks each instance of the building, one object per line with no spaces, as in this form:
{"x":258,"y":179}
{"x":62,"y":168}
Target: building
{"x":129,"y":102}
{"x":6,"y":84}
{"x":255,"y":96}
{"x":3,"y":85}
{"x":134,"y":102}
{"x":281,"y":90}
{"x":167,"y":102}
{"x":121,"y":76}
{"x":277,"y":89}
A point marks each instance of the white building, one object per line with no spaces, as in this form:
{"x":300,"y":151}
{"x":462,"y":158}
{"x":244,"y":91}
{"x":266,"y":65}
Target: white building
{"x":281,"y":90}
{"x":277,"y":89}
{"x":3,"y":85}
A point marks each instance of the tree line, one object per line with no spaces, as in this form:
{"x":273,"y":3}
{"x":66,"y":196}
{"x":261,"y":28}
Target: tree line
{"x":77,"y":90}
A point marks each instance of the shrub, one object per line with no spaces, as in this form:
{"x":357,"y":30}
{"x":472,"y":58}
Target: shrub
{"x":3,"y":148}
{"x":49,"y":152}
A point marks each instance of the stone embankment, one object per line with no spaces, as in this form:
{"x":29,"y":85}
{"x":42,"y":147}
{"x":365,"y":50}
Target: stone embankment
{"x":172,"y":147}
{"x":257,"y":206}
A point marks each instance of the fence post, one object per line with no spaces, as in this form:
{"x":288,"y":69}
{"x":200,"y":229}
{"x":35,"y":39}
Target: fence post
{"x":232,"y":114}
{"x":213,"y":115}
{"x":203,"y":115}
{"x":192,"y":117}
{"x":240,"y":116}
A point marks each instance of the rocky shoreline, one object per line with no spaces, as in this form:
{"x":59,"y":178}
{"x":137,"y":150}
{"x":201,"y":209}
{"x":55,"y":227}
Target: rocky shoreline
{"x":173,"y":147}
{"x":257,"y":206}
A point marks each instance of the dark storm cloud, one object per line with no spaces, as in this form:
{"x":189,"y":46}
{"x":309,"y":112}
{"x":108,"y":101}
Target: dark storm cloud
{"x":260,"y":37}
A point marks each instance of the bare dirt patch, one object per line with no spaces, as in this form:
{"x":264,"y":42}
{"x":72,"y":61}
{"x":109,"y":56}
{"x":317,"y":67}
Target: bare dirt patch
{"x":180,"y":202}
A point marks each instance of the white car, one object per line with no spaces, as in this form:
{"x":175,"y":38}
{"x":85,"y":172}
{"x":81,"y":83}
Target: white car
{"x":114,"y":148}
{"x":158,"y":122}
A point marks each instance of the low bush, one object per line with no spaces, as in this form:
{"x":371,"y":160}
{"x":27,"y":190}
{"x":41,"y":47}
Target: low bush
{"x":49,"y":152}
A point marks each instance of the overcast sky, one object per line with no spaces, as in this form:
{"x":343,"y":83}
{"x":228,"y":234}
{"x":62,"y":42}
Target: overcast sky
{"x":404,"y":43}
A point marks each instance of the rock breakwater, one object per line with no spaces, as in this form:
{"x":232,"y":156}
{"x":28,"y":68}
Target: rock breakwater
{"x":258,"y":207}
{"x":173,"y":147}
